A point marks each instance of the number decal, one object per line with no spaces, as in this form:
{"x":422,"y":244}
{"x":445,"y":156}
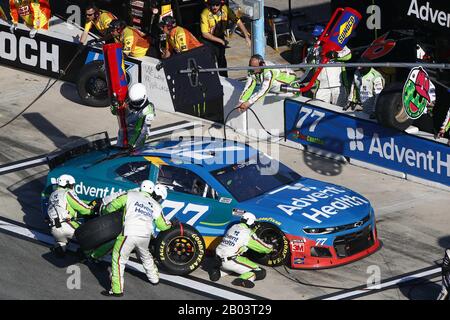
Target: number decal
{"x":309,"y":112}
{"x":176,"y":206}
{"x":321,"y":241}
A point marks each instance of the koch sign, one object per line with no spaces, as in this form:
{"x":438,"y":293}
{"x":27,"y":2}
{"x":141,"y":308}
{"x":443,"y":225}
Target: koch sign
{"x":367,"y":141}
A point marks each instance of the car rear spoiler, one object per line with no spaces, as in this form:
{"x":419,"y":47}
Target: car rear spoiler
{"x":96,"y":142}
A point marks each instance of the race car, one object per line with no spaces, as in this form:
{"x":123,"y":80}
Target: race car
{"x":212,"y":182}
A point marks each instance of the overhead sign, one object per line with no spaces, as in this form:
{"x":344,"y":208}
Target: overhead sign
{"x":367,"y":141}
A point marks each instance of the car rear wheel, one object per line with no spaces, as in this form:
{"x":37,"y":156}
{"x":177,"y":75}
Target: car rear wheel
{"x":98,"y":231}
{"x":271,"y":234}
{"x":180,"y":250}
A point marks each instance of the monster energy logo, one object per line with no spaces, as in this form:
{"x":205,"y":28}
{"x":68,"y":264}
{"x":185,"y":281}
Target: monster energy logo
{"x":198,"y":108}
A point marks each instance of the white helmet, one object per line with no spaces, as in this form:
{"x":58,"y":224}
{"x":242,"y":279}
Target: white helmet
{"x":147,"y":186}
{"x":248,"y":218}
{"x":66,"y":180}
{"x":160,"y":192}
{"x":137,"y":95}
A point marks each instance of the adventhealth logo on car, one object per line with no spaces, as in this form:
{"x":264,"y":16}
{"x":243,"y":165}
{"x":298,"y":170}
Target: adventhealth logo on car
{"x":318,"y":214}
{"x":432,"y":161}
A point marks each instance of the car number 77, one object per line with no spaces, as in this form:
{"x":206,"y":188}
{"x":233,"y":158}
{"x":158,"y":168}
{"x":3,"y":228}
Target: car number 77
{"x":176,"y":206}
{"x":309,"y":112}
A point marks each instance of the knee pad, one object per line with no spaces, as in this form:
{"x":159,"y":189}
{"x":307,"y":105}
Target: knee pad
{"x":260,"y":274}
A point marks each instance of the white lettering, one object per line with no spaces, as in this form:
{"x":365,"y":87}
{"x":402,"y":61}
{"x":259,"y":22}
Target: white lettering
{"x":49,"y":56}
{"x":443,"y":163}
{"x":316,"y":214}
{"x":375,"y":145}
{"x":23,"y":43}
{"x":410,"y":157}
{"x":374,"y":20}
{"x":413,"y":9}
{"x":11,"y":40}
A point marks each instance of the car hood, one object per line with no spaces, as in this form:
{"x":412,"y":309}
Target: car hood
{"x":310,"y":203}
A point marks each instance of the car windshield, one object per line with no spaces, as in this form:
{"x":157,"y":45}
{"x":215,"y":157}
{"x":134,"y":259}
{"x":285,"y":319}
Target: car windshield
{"x":255,"y":177}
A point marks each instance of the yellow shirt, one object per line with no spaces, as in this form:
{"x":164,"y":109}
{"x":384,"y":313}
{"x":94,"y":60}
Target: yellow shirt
{"x":181,"y":40}
{"x":102,"y":23}
{"x":216,"y":24}
{"x":134,"y":42}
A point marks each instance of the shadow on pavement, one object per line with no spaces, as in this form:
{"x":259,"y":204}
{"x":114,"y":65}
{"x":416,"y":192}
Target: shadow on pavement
{"x":422,"y":290}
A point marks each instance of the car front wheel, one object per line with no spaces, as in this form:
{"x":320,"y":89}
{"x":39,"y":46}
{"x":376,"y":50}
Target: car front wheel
{"x":271,"y":234}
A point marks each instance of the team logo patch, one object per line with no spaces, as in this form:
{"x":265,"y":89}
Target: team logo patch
{"x":418,"y":93}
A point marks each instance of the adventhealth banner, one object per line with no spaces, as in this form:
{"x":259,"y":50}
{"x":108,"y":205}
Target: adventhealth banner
{"x":366,"y":141}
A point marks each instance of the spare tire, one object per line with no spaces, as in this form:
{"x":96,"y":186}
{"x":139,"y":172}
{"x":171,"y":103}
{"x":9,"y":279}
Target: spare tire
{"x":271,"y":234}
{"x":92,"y":85}
{"x":180,"y":250}
{"x":389,"y":108}
{"x":98,"y":231}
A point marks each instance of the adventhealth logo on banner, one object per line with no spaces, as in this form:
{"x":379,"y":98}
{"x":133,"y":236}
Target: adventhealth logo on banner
{"x":432,"y":161}
{"x":367,"y":141}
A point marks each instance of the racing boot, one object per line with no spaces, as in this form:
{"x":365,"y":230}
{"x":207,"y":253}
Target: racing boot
{"x":243,"y":283}
{"x":109,"y":293}
{"x":214,"y":274}
{"x":58,"y":251}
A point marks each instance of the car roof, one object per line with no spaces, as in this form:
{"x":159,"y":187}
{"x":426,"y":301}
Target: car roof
{"x":213,"y":154}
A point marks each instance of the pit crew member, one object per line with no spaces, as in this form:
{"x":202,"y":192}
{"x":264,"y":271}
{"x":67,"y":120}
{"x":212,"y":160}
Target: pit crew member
{"x":330,"y":84}
{"x":62,"y":211}
{"x":100,"y":19}
{"x":366,"y":86}
{"x":261,"y":81}
{"x":139,"y":116}
{"x":445,"y":292}
{"x":238,"y":239}
{"x":179,"y":39}
{"x":134,"y":42}
{"x":140,"y":209}
{"x":214,"y":21}
{"x":35,"y":14}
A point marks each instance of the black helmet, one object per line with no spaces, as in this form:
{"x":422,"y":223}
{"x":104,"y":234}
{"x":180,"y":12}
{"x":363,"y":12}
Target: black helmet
{"x":117,"y":25}
{"x":168,"y":21}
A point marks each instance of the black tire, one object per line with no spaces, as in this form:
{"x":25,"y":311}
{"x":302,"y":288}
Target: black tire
{"x":98,"y":231}
{"x":389,"y":109}
{"x":179,"y":251}
{"x":271,"y":234}
{"x":92,"y":86}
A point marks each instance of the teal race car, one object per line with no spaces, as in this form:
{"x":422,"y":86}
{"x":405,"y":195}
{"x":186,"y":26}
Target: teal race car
{"x":211,"y":183}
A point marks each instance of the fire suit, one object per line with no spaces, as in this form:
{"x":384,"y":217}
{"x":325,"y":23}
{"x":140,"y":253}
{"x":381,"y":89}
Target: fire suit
{"x":64,"y":205}
{"x":102,"y":22}
{"x":329,"y":86}
{"x":140,"y":210}
{"x":135,"y":43}
{"x":138,"y":125}
{"x":366,"y":88}
{"x":238,"y":239}
{"x":181,"y":40}
{"x":446,"y":124}
{"x":263,"y":82}
{"x":35,"y":13}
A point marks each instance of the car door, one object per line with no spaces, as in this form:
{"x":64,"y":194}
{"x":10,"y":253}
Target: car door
{"x":191,"y":200}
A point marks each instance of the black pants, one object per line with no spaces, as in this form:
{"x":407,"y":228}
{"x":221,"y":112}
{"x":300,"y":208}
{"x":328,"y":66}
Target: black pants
{"x":218,"y":51}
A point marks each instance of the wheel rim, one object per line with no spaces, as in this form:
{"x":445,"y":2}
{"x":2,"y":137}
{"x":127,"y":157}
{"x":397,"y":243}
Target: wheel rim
{"x":181,"y":250}
{"x":274,"y":238}
{"x":97,"y":87}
